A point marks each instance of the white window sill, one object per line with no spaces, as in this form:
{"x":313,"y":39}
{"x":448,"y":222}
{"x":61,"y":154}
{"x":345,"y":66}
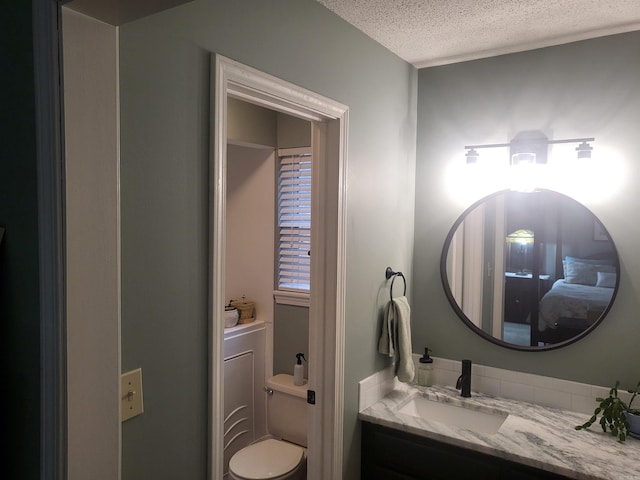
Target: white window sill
{"x":284,"y":297}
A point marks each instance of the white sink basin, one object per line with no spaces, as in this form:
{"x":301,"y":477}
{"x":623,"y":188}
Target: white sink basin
{"x":453,"y":415}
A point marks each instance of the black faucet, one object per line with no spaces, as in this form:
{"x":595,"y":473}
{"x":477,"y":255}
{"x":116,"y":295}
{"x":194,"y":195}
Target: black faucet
{"x":464,"y":380}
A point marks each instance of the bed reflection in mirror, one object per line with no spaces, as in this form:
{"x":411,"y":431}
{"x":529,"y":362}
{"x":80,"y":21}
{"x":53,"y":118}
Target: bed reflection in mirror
{"x":533,"y":271}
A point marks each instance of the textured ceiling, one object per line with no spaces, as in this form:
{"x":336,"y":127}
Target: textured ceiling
{"x":435,"y":32}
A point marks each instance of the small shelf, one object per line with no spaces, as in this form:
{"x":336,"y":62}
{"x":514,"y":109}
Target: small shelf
{"x":243,"y":329}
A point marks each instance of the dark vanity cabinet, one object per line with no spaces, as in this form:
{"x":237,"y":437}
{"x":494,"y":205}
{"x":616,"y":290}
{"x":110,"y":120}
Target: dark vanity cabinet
{"x":389,"y":454}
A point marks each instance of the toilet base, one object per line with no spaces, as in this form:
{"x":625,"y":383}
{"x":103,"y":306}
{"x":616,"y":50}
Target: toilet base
{"x":299,"y":474}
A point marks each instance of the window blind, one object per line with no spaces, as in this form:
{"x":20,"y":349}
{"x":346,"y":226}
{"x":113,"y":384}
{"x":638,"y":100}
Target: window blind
{"x":294,"y":219}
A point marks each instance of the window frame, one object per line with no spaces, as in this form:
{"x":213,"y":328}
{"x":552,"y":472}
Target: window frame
{"x":287,"y":292}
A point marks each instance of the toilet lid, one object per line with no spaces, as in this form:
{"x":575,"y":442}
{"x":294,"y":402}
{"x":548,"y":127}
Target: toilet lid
{"x":266,"y":459}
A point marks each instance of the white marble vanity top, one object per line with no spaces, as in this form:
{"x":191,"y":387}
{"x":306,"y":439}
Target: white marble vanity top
{"x":533,"y":435}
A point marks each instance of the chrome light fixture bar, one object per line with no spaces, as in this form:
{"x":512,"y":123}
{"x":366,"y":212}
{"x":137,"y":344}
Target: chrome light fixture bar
{"x":527,"y":149}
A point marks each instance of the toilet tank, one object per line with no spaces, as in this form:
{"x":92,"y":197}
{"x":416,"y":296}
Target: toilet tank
{"x":287,"y":409}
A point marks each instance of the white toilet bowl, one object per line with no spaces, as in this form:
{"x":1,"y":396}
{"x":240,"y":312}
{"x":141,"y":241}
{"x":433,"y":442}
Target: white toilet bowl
{"x":285,"y":456}
{"x":269,"y":459}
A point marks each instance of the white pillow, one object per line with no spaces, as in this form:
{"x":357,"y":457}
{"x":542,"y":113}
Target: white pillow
{"x":584,"y":273}
{"x":592,"y":261}
{"x":606,"y":279}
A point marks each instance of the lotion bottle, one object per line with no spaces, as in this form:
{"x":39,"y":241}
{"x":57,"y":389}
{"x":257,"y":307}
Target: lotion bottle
{"x":425,"y":369}
{"x":298,"y":370}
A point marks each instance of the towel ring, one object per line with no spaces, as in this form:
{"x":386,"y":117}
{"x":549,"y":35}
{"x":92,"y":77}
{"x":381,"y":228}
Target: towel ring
{"x":390,"y":273}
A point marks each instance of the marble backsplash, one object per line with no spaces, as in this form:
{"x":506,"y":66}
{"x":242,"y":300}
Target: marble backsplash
{"x":538,"y":389}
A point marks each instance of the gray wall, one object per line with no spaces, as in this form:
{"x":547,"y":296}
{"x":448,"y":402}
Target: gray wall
{"x":293,"y":132}
{"x":585,"y":89}
{"x":164,"y":68}
{"x":290,"y":336}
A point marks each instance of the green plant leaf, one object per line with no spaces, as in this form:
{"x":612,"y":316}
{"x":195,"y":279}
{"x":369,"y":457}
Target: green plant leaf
{"x":612,"y":413}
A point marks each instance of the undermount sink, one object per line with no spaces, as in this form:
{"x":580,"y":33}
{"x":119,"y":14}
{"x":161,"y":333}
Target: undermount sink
{"x":453,"y":415}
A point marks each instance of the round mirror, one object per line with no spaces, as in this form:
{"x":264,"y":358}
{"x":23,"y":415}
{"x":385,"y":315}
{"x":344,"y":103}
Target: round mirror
{"x":530,"y":270}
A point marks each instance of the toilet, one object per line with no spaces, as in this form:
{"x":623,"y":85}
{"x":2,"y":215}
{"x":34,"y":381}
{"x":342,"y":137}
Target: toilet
{"x":283,"y":456}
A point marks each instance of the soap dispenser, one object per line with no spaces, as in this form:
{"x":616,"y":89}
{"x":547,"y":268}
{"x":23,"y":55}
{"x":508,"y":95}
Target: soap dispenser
{"x":425,"y":369}
{"x":298,"y":370}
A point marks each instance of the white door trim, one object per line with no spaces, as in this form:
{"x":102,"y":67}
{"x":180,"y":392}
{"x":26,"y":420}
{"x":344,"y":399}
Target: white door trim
{"x":327,"y":310}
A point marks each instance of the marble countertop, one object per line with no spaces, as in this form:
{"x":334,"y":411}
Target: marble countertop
{"x":533,"y":435}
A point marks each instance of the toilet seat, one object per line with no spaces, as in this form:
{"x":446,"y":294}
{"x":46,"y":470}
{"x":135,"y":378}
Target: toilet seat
{"x":266,"y":460}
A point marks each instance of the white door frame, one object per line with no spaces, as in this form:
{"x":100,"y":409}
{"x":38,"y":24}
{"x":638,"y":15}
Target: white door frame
{"x":327,"y":310}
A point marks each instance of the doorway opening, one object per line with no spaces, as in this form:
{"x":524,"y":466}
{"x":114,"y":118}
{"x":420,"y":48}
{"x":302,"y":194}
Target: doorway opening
{"x":329,"y":121}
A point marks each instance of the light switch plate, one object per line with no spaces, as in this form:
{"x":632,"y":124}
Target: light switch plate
{"x":131,"y":394}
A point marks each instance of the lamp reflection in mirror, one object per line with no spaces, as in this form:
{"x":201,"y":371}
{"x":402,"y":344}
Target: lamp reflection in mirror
{"x":519,"y":251}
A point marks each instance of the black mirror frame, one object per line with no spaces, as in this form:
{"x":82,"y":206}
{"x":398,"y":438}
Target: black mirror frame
{"x":467,"y":321}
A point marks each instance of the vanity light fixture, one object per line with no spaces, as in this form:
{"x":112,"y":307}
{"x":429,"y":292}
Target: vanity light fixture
{"x":528,"y":148}
{"x":524,"y":158}
{"x":472,"y":156}
{"x":584,"y":150}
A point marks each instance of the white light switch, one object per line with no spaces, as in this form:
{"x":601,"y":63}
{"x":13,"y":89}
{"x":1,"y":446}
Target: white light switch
{"x":131,"y":394}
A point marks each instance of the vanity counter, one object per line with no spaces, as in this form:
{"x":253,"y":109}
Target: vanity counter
{"x":532,"y":435}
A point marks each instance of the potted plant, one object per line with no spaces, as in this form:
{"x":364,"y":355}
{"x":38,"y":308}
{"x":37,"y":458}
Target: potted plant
{"x":616,"y":415}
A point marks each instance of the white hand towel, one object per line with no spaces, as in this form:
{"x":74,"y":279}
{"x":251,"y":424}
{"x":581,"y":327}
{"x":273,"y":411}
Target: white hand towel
{"x":387,"y":337}
{"x":395,"y":340}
